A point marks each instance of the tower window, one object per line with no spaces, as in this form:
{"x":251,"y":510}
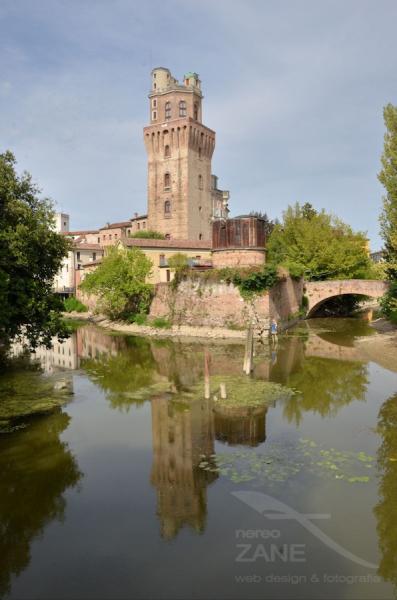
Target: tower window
{"x":199,"y":152}
{"x":200,"y":182}
{"x":154,"y":115}
{"x":154,"y":86}
{"x":200,"y":236}
{"x":182,"y":108}
{"x":167,"y":151}
{"x":154,"y":103}
{"x":167,"y":236}
{"x":196,"y":112}
{"x":167,"y":181}
{"x":168,"y":110}
{"x":167,"y":207}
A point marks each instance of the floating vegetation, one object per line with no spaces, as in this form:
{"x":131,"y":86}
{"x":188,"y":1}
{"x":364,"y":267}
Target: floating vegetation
{"x":244,"y":392}
{"x":281,"y":461}
{"x":25,"y":392}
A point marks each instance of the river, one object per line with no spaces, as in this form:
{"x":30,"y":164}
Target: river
{"x":140,"y":487}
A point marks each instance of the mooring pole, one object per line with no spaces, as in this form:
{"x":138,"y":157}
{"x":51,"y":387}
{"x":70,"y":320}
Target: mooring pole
{"x":249,"y":351}
{"x":207,"y":360}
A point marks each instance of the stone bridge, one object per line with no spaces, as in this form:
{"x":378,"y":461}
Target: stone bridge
{"x":318,"y":292}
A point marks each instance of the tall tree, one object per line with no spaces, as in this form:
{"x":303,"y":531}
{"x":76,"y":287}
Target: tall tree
{"x":31,"y":254}
{"x":388,"y":178}
{"x":318,"y":245}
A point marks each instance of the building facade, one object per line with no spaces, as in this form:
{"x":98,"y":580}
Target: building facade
{"x":181,"y":192}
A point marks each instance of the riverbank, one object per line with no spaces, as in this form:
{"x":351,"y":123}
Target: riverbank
{"x":182,"y":331}
{"x":380,"y":348}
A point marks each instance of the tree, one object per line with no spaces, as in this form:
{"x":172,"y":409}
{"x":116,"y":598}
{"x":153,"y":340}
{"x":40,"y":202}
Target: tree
{"x":388,"y":178}
{"x":31,"y":254}
{"x":120,"y":282}
{"x":318,"y":245}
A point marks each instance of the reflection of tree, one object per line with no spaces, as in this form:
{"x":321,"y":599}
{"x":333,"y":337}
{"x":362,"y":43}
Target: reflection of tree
{"x":386,"y":509}
{"x":325,"y":385}
{"x":36,"y":469}
{"x":122,"y":375}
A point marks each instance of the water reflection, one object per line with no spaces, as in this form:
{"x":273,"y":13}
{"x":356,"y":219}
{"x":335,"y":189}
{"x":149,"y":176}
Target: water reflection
{"x":182,"y":436}
{"x":36,"y":470}
{"x":386,"y":509}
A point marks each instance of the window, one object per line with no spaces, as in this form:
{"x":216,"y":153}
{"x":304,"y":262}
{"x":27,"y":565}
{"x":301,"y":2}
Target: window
{"x":200,"y":182}
{"x":167,"y":181}
{"x":110,"y":236}
{"x":167,"y":207}
{"x":167,"y":236}
{"x":99,"y":240}
{"x":182,"y":108}
{"x":195,"y":112}
{"x":162,"y":260}
{"x":200,"y":236}
{"x":154,"y":86}
{"x":64,"y":223}
{"x":94,"y":256}
{"x":199,"y":152}
{"x":168,"y":110}
{"x":154,"y":103}
{"x":168,"y":271}
{"x":138,"y":226}
{"x":78,"y":255}
{"x":154,"y":115}
{"x":144,"y":225}
{"x":167,"y":151}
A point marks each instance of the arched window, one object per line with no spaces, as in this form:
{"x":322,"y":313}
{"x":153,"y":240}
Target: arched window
{"x":168,"y":110}
{"x":200,"y":182}
{"x":199,"y":152}
{"x":182,"y":108}
{"x":196,"y":112}
{"x":167,"y":236}
{"x":167,"y":181}
{"x":167,"y":151}
{"x":167,"y":207}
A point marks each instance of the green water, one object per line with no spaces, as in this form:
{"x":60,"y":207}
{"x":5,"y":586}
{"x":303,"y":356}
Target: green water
{"x":141,"y":487}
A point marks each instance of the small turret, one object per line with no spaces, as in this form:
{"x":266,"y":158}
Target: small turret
{"x":192,"y":79}
{"x":161,"y":79}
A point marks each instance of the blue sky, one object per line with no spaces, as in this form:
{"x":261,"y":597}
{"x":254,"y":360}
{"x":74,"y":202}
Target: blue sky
{"x":294,"y":89}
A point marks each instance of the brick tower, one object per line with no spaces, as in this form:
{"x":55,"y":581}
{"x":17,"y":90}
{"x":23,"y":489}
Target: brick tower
{"x":181,"y":198}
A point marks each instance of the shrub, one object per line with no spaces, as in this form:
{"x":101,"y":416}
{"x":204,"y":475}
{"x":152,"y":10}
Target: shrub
{"x":148,"y":234}
{"x":161,"y":323}
{"x":140,"y":319}
{"x":72,"y":304}
{"x":388,"y":303}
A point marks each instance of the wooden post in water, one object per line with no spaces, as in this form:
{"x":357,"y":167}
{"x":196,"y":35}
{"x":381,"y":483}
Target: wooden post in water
{"x":207,"y":361}
{"x":249,"y":351}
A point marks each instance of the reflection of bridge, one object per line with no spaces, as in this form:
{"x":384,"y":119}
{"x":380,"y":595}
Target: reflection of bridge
{"x":318,"y":292}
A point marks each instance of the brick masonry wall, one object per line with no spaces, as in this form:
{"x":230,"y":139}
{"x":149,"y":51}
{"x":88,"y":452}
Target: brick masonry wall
{"x":220,"y":304}
{"x":238,"y":257}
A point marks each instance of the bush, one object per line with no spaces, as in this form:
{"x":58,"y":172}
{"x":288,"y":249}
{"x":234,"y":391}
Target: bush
{"x":388,"y":303}
{"x":148,"y":234}
{"x":161,"y":323}
{"x":140,"y":319}
{"x":72,"y":304}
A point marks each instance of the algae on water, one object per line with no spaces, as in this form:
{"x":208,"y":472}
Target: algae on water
{"x":25,"y":392}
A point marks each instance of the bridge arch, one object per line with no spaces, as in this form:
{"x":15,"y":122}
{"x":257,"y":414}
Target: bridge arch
{"x":317,"y":292}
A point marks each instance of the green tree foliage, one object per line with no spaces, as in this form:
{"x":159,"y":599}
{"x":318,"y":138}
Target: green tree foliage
{"x":120,"y":283}
{"x":388,"y":178}
{"x":148,"y":234}
{"x":178,"y":262}
{"x":31,"y":254}
{"x":386,"y":509}
{"x":319,"y":245}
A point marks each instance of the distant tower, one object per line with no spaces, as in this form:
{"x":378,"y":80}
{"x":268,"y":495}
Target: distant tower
{"x":61,"y":222}
{"x":179,"y":148}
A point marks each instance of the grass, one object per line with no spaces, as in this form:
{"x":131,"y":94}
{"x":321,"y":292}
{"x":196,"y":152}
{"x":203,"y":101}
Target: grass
{"x":161,"y":323}
{"x":72,"y":304}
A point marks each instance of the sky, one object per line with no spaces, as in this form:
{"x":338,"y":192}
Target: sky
{"x":294,"y":89}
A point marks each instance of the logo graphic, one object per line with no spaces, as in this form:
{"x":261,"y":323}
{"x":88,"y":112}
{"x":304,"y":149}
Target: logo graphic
{"x":273,"y":509}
